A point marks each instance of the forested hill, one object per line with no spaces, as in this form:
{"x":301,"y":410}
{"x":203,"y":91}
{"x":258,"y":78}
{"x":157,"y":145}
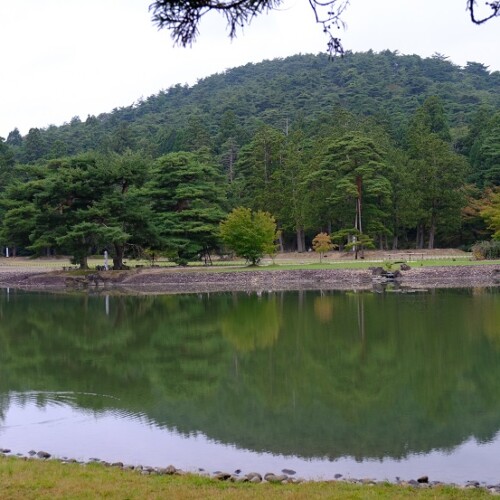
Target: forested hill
{"x":389,"y":150}
{"x":280,"y":93}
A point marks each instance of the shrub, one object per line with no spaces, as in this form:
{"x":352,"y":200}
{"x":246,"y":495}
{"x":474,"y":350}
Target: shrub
{"x":486,"y":250}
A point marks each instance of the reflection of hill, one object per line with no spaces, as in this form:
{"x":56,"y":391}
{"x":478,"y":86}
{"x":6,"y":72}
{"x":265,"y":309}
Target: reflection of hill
{"x":384,"y":375}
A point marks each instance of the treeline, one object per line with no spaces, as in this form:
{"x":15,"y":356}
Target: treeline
{"x":402,"y":150}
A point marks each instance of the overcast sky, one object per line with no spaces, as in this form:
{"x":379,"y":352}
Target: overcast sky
{"x":63,"y":58}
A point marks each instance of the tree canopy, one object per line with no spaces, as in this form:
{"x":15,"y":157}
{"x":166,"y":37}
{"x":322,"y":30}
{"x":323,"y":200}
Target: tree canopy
{"x":375,"y":150}
{"x":249,"y":234}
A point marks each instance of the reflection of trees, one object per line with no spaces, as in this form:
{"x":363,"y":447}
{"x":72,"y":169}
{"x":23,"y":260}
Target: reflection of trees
{"x":410,"y":384}
{"x":488,"y":315}
{"x":323,"y":308}
{"x":145,"y":346}
{"x":385,"y":375}
{"x":252,"y":323}
{"x":4,"y":405}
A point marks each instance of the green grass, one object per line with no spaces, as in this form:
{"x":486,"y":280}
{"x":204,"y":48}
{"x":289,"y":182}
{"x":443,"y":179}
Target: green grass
{"x":240,"y":265}
{"x":36,"y":479}
{"x":360,"y":264}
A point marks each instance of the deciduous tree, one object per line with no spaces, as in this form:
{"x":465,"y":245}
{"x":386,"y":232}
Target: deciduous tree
{"x":491,"y":214}
{"x":322,"y":243}
{"x":249,"y":234}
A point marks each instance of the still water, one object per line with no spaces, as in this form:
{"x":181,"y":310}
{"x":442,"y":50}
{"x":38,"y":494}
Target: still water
{"x":361,"y":384}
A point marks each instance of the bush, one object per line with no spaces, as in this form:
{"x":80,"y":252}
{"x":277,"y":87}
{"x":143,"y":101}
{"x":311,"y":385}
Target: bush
{"x":486,"y":250}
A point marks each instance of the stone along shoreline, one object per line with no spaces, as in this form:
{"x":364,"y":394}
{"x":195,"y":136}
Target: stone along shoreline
{"x":286,"y":476}
{"x":158,"y":280}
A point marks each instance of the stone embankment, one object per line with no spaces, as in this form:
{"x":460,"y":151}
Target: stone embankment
{"x":161,"y":280}
{"x":286,"y":476}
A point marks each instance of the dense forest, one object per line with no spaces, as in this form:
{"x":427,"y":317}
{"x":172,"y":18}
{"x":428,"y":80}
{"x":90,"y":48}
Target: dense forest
{"x":400,"y":150}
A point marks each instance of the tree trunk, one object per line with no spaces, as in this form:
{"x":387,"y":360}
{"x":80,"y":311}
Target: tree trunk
{"x":118,"y":257}
{"x":395,"y":242}
{"x":301,"y":244}
{"x":432,"y":234}
{"x":420,"y":236}
{"x":359,"y":184}
{"x":280,"y":241}
{"x":83,"y":262}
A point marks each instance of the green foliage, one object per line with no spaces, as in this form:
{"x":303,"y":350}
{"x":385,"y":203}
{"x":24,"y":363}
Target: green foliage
{"x":440,"y":173}
{"x":80,"y":205}
{"x":187,"y":196}
{"x":491,"y":214}
{"x":304,"y":88}
{"x":385,"y":140}
{"x":249,"y":234}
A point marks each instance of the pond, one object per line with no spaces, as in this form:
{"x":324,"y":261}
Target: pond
{"x":379,"y":385}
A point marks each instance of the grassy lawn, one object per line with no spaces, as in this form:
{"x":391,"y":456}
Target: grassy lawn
{"x":281,"y":264}
{"x":348,"y":264}
{"x":20,"y":479}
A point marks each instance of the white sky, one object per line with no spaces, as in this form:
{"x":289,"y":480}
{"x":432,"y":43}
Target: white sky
{"x":62,"y":58}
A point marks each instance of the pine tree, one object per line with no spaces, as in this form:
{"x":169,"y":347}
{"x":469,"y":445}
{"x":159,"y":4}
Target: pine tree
{"x":187,"y":198}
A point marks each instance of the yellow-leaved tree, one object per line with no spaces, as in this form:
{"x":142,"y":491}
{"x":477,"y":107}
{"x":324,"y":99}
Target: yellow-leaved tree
{"x":322,"y":243}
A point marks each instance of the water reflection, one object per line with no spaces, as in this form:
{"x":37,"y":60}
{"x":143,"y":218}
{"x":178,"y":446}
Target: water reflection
{"x":302,"y":374}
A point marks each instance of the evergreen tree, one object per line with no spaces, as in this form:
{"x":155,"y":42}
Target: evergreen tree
{"x":34,"y":145}
{"x":355,"y":170}
{"x":292,"y":198}
{"x":440,"y":172}
{"x":80,"y":205}
{"x":257,"y":163}
{"x":14,"y":138}
{"x":187,"y":195}
{"x":487,"y":159}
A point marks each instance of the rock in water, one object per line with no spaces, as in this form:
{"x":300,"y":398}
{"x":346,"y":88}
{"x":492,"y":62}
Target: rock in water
{"x":423,"y":479}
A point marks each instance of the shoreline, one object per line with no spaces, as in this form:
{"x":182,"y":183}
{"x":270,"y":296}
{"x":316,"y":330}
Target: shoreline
{"x":161,"y":280}
{"x":285,"y":476}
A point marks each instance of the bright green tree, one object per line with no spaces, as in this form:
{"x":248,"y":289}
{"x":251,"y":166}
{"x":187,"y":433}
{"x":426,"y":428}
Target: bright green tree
{"x":249,"y":234}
